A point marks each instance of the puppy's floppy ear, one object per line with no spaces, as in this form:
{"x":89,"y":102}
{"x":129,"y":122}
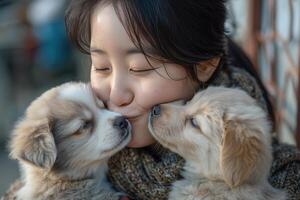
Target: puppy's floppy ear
{"x":240,"y":153}
{"x":33,"y":142}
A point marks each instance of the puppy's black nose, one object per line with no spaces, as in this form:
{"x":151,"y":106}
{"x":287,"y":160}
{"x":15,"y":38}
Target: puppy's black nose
{"x":156,"y":110}
{"x":120,"y":123}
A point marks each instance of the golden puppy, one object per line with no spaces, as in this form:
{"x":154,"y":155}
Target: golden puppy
{"x":224,"y":136}
{"x":63,"y":143}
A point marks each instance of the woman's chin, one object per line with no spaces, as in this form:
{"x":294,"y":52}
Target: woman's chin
{"x":139,"y":144}
{"x":141,"y":140}
{"x":141,"y":137}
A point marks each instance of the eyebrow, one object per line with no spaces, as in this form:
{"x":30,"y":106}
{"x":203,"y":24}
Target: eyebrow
{"x":147,"y":50}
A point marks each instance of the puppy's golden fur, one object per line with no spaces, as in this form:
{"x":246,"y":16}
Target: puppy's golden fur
{"x":63,"y":143}
{"x":224,"y":137}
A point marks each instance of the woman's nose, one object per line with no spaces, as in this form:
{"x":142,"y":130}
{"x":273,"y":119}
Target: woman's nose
{"x":121,"y":93}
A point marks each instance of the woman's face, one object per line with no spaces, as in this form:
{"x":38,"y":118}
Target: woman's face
{"x":123,"y":79}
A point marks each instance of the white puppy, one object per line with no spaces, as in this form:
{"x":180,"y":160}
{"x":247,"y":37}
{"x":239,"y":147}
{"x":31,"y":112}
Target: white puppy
{"x":224,"y":136}
{"x":63,"y":144}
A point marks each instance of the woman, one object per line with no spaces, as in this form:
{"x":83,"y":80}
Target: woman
{"x":146,"y":53}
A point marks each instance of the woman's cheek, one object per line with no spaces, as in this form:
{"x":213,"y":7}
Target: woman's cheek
{"x":99,"y":87}
{"x":162,"y":91}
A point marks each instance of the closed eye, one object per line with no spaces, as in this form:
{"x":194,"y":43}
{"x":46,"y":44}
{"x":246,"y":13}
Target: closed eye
{"x":86,"y":125}
{"x":194,"y":123}
{"x":101,"y":69}
{"x":135,"y":70}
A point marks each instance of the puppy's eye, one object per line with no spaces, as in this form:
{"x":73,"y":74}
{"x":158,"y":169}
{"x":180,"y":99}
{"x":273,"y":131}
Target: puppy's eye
{"x":87,"y":124}
{"x":194,"y":122}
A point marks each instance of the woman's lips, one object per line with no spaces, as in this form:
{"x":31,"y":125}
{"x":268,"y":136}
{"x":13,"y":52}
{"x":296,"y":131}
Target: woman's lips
{"x":133,"y":118}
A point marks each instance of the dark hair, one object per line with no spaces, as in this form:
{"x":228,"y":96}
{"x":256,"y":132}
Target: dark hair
{"x":181,"y":32}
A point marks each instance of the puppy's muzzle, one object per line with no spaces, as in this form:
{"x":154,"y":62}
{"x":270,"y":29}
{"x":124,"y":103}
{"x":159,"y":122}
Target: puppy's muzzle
{"x":121,"y":124}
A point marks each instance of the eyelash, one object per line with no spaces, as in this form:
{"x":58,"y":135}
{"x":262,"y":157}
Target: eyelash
{"x":131,"y":70}
{"x":101,"y":69}
{"x":141,"y":70}
{"x":87,"y":124}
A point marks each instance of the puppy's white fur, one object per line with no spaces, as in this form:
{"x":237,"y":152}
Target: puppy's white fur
{"x":224,"y":136}
{"x":63,"y":144}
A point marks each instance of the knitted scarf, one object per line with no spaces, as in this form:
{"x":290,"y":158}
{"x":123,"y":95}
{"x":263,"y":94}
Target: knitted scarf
{"x":147,"y":173}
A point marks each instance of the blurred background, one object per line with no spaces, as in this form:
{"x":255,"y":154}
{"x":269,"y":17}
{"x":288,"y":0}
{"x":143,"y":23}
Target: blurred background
{"x":36,"y":55}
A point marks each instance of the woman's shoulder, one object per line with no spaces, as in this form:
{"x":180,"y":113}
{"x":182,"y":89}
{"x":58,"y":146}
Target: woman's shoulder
{"x":285,"y":170}
{"x":237,"y":77}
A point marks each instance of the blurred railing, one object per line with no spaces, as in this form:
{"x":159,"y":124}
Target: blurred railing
{"x":273,"y":44}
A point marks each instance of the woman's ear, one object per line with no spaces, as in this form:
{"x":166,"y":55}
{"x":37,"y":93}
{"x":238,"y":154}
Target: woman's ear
{"x":240,"y":153}
{"x":205,"y":69}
